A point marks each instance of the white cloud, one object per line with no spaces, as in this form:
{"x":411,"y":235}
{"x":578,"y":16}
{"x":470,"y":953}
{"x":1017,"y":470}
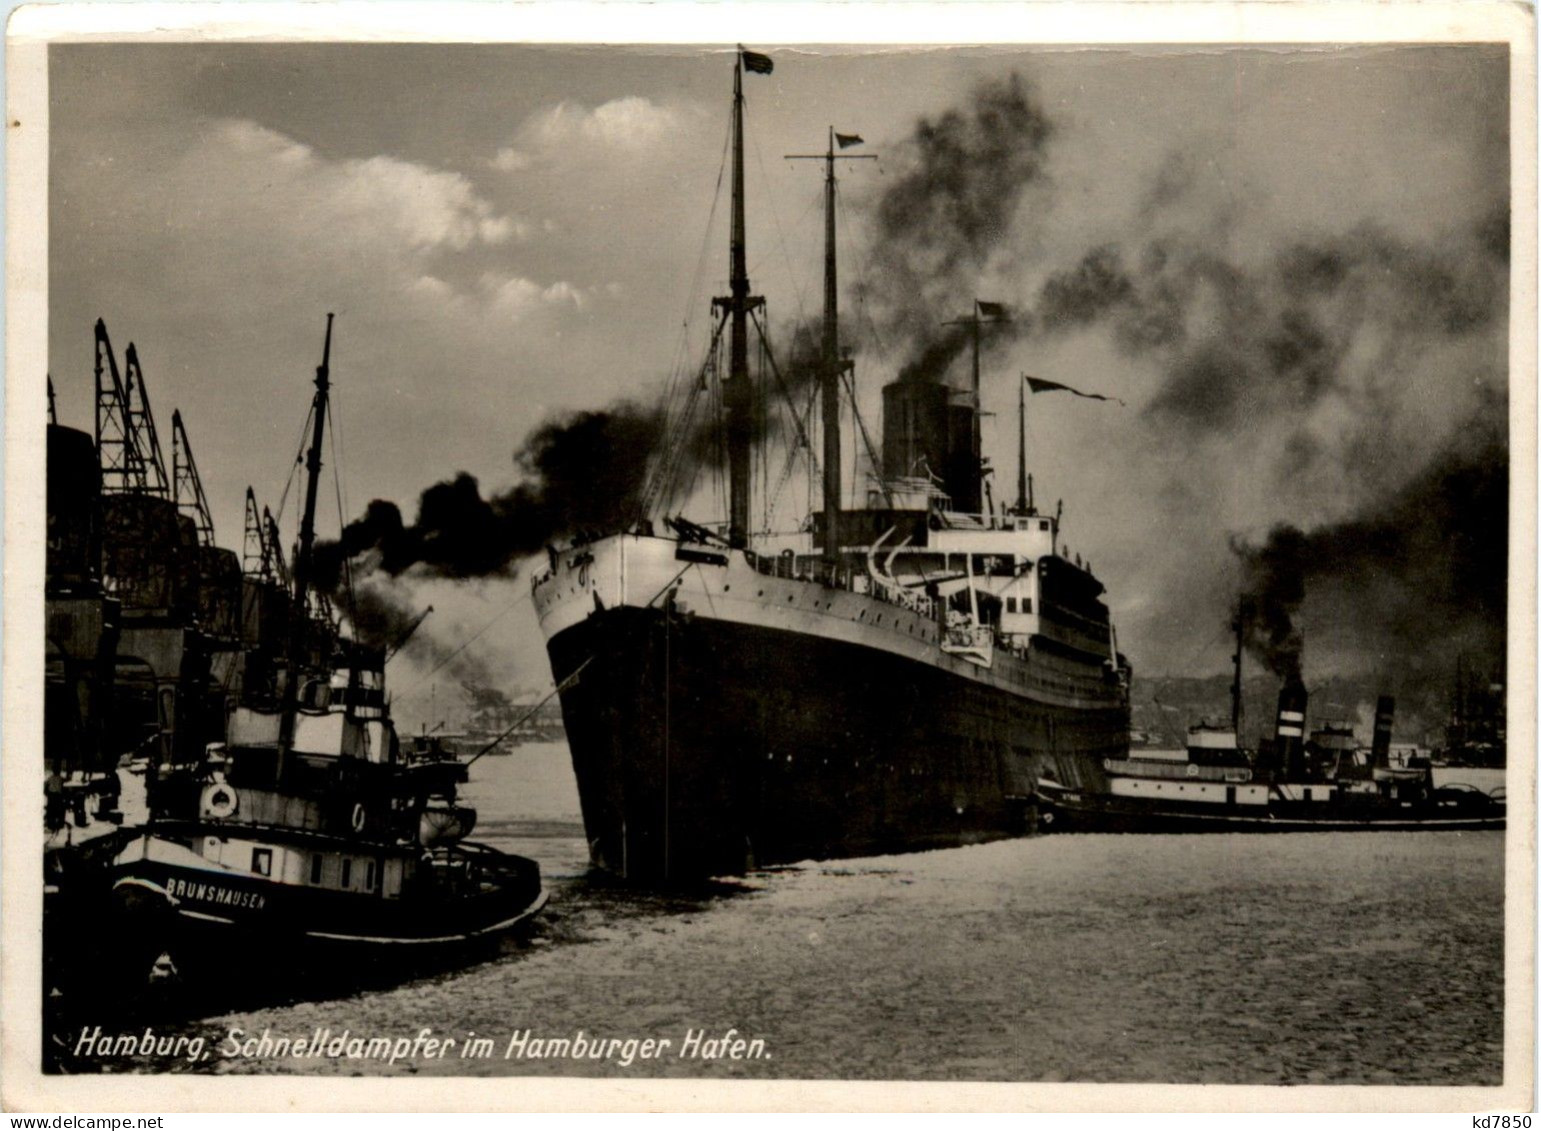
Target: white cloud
{"x":510,"y":297}
{"x":510,"y":160}
{"x":628,"y":124}
{"x":423,"y":207}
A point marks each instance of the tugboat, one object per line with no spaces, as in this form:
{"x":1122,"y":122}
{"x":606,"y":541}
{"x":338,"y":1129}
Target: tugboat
{"x":1294,"y":784}
{"x":310,"y":833}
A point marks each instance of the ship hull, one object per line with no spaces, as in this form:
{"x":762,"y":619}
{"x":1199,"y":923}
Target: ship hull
{"x":183,"y":924}
{"x":704,"y":745}
{"x":1103,"y":812}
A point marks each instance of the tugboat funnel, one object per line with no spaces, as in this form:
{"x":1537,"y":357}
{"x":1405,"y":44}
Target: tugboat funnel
{"x":1290,"y":728}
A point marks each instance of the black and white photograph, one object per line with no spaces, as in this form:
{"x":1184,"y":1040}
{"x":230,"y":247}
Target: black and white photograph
{"x":985,"y":560}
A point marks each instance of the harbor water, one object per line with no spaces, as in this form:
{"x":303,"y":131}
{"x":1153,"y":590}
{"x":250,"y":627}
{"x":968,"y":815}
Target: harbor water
{"x":1371,"y":958}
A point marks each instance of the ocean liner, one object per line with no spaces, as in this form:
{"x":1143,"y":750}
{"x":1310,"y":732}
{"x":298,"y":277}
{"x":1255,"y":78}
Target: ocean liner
{"x":899,"y":676}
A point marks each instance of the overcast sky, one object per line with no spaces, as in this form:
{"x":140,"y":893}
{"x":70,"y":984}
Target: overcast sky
{"x":506,"y":232}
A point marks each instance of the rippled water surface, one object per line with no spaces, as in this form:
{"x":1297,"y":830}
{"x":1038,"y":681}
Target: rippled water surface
{"x":1317,"y":958}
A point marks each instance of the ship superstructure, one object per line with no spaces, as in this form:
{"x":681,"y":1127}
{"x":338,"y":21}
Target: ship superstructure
{"x":901,"y":675}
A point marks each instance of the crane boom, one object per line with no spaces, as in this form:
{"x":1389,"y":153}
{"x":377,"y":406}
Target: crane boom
{"x":187,"y":487}
{"x":141,"y":427}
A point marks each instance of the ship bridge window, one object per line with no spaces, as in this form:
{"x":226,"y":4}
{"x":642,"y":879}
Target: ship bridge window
{"x":1011,"y":604}
{"x":347,"y":872}
{"x":1043,"y":524}
{"x":262,"y":861}
{"x":315,"y":868}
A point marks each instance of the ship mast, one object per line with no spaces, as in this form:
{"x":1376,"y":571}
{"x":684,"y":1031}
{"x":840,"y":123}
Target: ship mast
{"x":1022,"y":507}
{"x":1236,"y":677}
{"x":830,"y":378}
{"x":737,"y":396}
{"x":299,"y":618}
{"x":832,"y":365}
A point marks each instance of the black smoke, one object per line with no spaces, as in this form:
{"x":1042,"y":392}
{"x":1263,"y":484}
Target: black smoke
{"x":1335,"y":323}
{"x":1273,"y":588}
{"x":580,"y":475}
{"x":1236,"y":340}
{"x":1320,"y":341}
{"x":1414,"y":580}
{"x":963,"y":178}
{"x":580,"y":472}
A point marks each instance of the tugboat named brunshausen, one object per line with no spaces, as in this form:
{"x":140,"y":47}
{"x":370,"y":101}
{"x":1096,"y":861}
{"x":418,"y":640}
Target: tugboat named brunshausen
{"x":310,"y":832}
{"x":899,"y":677}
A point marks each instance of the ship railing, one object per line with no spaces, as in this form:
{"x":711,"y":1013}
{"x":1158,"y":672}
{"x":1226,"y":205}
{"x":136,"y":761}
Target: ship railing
{"x":917,"y":603}
{"x":790,"y":567}
{"x":783,"y":565}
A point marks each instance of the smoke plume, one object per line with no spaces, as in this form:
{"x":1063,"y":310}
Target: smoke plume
{"x":1412,"y":582}
{"x":1330,"y":315}
{"x":1273,"y":587}
{"x":963,"y":178}
{"x":1346,"y":377}
{"x":581,"y":475}
{"x":581,"y":472}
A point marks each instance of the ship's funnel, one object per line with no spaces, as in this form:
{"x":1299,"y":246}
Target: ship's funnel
{"x":1380,"y":745}
{"x":929,"y":432}
{"x":963,"y":472}
{"x":1289,"y":731}
{"x":915,"y":441}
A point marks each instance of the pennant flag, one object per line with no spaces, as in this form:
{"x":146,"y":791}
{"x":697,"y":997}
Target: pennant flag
{"x":1039,"y":385}
{"x":848,"y":140}
{"x":991,"y":309}
{"x":759,"y":64}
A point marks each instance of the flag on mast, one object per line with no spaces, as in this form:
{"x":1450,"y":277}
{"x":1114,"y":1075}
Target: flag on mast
{"x":1039,"y":385}
{"x":845,"y":141}
{"x":991,"y":309}
{"x":754,"y":61}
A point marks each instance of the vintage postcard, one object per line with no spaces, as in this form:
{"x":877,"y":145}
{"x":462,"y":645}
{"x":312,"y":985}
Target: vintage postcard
{"x":746,"y":556}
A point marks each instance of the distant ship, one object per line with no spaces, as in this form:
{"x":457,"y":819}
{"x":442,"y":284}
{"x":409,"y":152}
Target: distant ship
{"x":1475,"y":753}
{"x":903,"y":676}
